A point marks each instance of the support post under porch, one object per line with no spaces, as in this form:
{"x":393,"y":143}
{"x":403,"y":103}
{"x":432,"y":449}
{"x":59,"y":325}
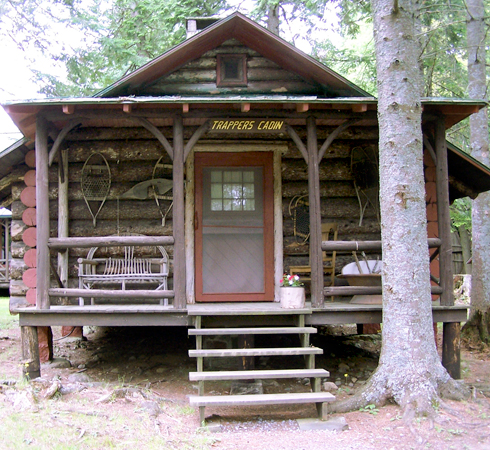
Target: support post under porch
{"x":451,"y":331}
{"x":317,"y":298}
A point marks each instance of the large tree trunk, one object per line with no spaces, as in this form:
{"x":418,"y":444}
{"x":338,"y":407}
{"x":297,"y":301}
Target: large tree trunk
{"x":480,"y":290}
{"x":409,"y":371}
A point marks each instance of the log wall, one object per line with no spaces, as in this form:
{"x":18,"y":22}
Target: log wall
{"x":198,"y":77}
{"x":132,"y":153}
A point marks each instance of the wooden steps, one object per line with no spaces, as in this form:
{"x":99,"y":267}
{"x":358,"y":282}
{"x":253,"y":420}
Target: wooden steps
{"x":261,"y":399}
{"x":309,"y":352}
{"x":261,"y":330}
{"x":257,"y":374}
{"x":219,"y":353}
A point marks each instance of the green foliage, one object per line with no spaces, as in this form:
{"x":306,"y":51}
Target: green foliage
{"x":460,"y":212}
{"x":7,"y":321}
{"x":120,"y":38}
{"x":371,"y":409}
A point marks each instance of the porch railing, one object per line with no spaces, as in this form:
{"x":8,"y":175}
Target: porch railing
{"x":367,"y":246}
{"x":4,"y":275}
{"x":62,"y":244}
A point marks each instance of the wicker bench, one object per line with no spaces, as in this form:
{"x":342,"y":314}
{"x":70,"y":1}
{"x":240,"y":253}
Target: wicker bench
{"x":134,"y":268}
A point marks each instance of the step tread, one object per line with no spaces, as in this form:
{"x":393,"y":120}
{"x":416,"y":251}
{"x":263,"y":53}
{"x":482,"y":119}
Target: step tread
{"x":257,"y":330}
{"x":261,"y":399}
{"x":257,"y":374}
{"x":255,"y":352}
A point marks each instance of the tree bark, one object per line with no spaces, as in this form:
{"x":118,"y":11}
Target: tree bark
{"x":480,"y":290}
{"x":410,"y":371}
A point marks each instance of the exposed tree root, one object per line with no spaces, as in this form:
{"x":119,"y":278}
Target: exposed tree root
{"x":416,"y":399}
{"x":477,"y":327}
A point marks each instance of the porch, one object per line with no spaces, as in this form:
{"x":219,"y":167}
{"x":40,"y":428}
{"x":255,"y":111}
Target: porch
{"x":225,"y":314}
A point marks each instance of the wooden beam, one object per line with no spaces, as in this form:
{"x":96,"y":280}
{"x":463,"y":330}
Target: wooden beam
{"x":42,"y":213}
{"x":359,"y":108}
{"x":302,"y":107}
{"x":157,"y":133}
{"x":333,"y":135}
{"x":108,"y":241}
{"x":127,"y":108}
{"x":60,"y":138}
{"x":68,"y":109}
{"x":202,"y":130}
{"x":244,"y":107}
{"x":178,"y":214}
{"x":185,"y":108}
{"x":297,"y":140}
{"x":316,"y":260}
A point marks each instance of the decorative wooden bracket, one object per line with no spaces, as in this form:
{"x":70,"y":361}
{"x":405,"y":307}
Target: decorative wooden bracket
{"x":203,"y":129}
{"x":332,"y":136}
{"x":157,"y":133}
{"x":297,"y":140}
{"x":60,"y":138}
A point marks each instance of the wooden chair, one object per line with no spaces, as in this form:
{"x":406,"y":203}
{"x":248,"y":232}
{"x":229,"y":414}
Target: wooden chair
{"x":329,"y":233}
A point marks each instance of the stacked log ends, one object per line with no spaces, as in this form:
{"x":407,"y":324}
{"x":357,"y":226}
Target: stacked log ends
{"x":29,"y":237}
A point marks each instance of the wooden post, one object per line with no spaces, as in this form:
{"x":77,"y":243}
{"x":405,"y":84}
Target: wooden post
{"x":63,"y":215}
{"x":31,"y":367}
{"x":42,"y":213}
{"x":317,"y":299}
{"x":178,"y":214}
{"x":451,"y":331}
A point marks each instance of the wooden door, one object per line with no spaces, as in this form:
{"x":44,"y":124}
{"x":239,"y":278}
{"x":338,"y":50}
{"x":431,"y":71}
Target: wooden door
{"x":234,"y":227}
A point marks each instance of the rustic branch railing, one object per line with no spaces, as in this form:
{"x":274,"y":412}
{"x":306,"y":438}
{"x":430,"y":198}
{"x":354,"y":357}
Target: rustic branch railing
{"x":61,"y":244}
{"x":362,"y":246}
{"x":3,"y":271}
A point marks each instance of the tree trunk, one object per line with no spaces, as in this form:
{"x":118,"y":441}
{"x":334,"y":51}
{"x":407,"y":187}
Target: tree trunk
{"x":410,"y":371}
{"x":480,"y":290}
{"x":273,"y":18}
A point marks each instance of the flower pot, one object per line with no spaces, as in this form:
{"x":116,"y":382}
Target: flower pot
{"x":293,"y":297}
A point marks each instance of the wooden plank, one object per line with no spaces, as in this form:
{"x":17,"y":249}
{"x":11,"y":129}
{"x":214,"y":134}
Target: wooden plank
{"x":316,"y":256}
{"x":110,"y":293}
{"x":108,"y":241}
{"x":179,"y":214}
{"x":261,"y":399}
{"x":332,"y":136}
{"x":42,"y":213}
{"x":243,"y":309}
{"x":263,"y":330}
{"x":258,"y":374}
{"x":225,"y":353}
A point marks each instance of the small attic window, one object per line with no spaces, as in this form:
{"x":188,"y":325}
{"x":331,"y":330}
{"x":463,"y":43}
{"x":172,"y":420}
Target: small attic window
{"x":231,"y":70}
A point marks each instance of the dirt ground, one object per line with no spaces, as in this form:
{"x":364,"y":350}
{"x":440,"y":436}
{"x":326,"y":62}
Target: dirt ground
{"x":128,"y":387}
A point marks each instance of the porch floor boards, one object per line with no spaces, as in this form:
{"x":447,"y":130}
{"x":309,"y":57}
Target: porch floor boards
{"x":333,"y":313}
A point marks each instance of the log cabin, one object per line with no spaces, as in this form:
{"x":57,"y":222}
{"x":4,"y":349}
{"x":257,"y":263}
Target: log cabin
{"x":181,"y":194}
{"x":5,"y":220}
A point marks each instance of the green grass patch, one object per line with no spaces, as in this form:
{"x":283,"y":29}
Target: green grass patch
{"x":7,"y":320}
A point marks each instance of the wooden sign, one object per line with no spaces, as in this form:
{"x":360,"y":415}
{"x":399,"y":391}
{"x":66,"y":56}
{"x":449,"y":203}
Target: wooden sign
{"x":247,"y":125}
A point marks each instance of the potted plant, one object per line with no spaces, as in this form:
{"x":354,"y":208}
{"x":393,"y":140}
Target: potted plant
{"x":292,"y":292}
